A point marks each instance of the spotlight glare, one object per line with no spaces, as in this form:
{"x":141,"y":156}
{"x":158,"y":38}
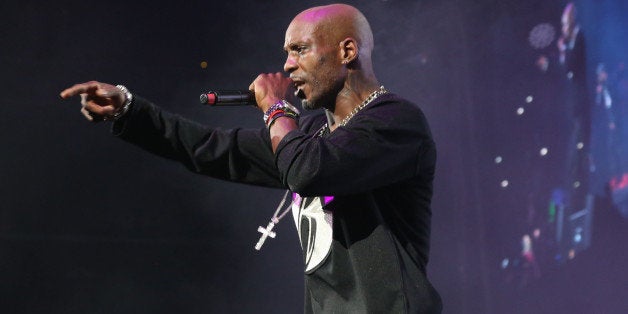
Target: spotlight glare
{"x":529,"y":99}
{"x":576,"y":184}
{"x":504,"y":184}
{"x":580,"y":145}
{"x":505,"y":263}
{"x":542,"y":35}
{"x":520,"y":111}
{"x":498,"y":159}
{"x":536,"y":233}
{"x":543,"y":151}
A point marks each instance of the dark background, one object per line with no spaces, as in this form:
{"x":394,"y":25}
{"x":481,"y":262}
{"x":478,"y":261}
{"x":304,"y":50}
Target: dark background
{"x":90,"y":224}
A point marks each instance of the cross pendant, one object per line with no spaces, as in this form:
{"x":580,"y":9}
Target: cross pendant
{"x":266,"y":232}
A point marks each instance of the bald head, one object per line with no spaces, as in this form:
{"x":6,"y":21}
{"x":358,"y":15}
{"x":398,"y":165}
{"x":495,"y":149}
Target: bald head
{"x":336,"y":22}
{"x":568,"y":19}
{"x":570,"y":10}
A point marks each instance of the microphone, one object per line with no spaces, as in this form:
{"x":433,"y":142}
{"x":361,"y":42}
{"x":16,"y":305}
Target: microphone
{"x":228,"y":98}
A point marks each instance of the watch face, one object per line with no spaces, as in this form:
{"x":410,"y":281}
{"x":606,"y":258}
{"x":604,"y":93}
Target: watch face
{"x":290,"y":107}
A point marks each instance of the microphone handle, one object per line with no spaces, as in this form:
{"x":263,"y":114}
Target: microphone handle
{"x":228,"y":98}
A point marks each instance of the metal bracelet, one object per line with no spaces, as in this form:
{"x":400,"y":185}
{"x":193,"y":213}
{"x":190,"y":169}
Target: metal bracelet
{"x":128,"y":98}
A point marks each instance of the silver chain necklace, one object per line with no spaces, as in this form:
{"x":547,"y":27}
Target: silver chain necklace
{"x":325,"y":128}
{"x":365,"y":103}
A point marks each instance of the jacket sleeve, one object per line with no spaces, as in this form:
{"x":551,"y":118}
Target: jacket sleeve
{"x":386,"y":142}
{"x":239,"y":155}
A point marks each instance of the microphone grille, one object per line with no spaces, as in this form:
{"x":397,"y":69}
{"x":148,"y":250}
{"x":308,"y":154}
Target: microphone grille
{"x":208,"y":98}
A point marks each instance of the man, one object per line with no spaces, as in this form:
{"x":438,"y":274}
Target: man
{"x":361,"y":174}
{"x":572,"y":61}
{"x":569,"y":42}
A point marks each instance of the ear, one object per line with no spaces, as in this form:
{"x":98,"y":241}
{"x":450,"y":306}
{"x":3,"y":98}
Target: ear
{"x":348,"y":50}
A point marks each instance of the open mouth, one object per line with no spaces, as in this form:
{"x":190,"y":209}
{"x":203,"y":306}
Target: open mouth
{"x":298,"y":86}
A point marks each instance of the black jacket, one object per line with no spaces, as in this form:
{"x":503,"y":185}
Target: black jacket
{"x":366,"y":250}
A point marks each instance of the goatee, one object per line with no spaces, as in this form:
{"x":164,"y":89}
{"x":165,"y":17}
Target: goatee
{"x":307,"y":105}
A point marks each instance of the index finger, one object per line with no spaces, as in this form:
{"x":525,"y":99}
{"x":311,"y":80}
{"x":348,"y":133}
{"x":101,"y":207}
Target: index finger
{"x":79,"y":89}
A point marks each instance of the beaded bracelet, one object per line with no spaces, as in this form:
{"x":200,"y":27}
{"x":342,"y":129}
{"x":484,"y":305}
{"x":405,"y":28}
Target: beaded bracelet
{"x":274,"y":114}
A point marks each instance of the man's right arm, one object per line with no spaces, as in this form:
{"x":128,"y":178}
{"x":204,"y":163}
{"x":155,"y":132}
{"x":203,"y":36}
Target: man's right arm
{"x":237,"y":155}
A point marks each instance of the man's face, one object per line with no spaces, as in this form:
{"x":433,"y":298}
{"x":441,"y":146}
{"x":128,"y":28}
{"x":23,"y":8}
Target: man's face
{"x":313,"y":64}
